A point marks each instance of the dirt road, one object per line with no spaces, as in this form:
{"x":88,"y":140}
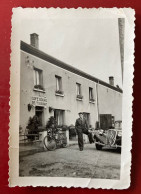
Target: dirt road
{"x":70,"y":162}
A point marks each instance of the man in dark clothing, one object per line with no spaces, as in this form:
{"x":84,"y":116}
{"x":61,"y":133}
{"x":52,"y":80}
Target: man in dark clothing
{"x":81,"y":126}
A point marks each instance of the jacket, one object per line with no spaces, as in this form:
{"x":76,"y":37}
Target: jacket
{"x":81,"y":124}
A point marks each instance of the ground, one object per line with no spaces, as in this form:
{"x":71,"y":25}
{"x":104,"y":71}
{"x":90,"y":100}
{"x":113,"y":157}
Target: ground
{"x":70,"y":162}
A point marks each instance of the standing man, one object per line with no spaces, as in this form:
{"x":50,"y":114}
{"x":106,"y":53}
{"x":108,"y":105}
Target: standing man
{"x":81,"y":126}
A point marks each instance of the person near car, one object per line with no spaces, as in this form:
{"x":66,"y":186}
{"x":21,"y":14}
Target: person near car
{"x":82,"y":126}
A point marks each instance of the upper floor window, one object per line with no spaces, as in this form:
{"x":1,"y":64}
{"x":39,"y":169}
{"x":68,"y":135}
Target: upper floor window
{"x":78,"y":91}
{"x":59,"y":89}
{"x":38,"y":79}
{"x":91,"y":95}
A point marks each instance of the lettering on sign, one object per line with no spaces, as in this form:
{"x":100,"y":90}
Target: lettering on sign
{"x":39,"y":101}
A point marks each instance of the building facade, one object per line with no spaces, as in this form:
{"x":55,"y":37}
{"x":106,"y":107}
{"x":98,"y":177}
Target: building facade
{"x":49,"y":87}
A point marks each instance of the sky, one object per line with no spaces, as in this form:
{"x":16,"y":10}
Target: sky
{"x":91,"y":45}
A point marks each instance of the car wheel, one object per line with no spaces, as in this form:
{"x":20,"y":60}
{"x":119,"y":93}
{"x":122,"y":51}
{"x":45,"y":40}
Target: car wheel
{"x":98,"y":147}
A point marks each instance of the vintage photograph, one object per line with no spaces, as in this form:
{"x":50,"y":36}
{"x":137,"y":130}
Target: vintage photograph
{"x":71,"y":87}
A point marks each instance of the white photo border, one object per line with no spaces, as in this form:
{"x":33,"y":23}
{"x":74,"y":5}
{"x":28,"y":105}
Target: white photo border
{"x":124,"y":182}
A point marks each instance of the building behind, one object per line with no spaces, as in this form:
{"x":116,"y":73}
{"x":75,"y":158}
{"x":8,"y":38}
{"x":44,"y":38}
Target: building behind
{"x":50,"y":87}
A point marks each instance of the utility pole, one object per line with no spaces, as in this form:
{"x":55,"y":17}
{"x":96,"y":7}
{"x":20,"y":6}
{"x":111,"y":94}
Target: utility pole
{"x":121,"y":26}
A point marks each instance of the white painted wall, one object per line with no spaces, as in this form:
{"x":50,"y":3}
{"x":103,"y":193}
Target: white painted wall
{"x":110,"y":101}
{"x":67,"y":103}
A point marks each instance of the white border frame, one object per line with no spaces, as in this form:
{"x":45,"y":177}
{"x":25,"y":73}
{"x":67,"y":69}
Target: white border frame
{"x":124,"y":182}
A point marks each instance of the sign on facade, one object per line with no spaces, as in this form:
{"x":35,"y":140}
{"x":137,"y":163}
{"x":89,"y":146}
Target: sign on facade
{"x":39,"y":101}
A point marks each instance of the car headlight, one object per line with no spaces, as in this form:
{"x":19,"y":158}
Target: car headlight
{"x":119,"y":133}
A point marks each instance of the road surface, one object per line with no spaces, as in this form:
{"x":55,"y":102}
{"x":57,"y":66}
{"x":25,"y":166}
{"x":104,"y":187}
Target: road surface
{"x":70,"y":162}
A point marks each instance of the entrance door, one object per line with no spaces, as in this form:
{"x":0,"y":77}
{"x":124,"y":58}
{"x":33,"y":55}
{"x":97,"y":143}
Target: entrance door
{"x":87,"y":117}
{"x":105,"y":121}
{"x":39,"y":113}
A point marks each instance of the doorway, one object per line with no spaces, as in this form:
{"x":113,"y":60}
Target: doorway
{"x":105,"y":121}
{"x":87,"y":117}
{"x":39,"y":111}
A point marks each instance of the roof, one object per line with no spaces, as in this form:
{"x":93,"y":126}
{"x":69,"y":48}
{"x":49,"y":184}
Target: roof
{"x":40,"y":54}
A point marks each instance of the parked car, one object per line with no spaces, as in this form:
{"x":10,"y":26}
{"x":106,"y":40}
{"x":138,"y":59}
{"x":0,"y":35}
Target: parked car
{"x":111,"y":138}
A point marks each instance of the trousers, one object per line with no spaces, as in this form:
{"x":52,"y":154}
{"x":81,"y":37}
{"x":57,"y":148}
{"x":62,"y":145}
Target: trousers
{"x":80,"y":137}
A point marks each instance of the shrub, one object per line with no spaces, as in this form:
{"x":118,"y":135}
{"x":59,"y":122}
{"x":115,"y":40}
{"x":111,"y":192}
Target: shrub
{"x":59,"y":92}
{"x":92,"y":99}
{"x":32,"y":126}
{"x":79,"y":96}
{"x":39,"y":87}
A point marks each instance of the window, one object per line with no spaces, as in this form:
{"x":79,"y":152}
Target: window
{"x":59,"y":116}
{"x":91,"y":96}
{"x":59,"y":84}
{"x":78,"y":91}
{"x":38,"y":79}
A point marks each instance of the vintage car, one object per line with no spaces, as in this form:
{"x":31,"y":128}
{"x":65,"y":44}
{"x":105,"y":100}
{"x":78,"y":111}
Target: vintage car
{"x":110,"y":138}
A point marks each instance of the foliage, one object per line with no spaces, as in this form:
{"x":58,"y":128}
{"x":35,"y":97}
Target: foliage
{"x":33,"y":124}
{"x":79,"y":96}
{"x":51,"y":123}
{"x":64,"y":127}
{"x":92,"y":99}
{"x":40,"y":87}
{"x":59,"y":92}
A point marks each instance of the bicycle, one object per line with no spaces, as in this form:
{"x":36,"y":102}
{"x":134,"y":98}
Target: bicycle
{"x":55,"y":139}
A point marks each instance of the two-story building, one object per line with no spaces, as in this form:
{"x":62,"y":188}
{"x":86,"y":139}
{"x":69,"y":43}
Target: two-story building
{"x":50,"y":87}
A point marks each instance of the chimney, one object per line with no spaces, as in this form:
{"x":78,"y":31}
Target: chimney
{"x":111,"y":80}
{"x":34,"y":40}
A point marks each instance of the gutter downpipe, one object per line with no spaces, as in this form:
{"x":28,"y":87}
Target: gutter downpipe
{"x":98,"y":116}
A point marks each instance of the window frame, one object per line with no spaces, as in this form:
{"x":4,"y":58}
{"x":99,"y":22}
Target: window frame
{"x":38,"y":84}
{"x":91,"y":95}
{"x":79,"y":94}
{"x":60,"y":114}
{"x":59,"y":87}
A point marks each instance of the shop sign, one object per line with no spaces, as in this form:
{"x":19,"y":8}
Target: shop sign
{"x":39,"y":101}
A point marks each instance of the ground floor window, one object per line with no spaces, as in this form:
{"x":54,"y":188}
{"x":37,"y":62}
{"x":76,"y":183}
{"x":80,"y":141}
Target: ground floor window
{"x":59,"y":116}
{"x":39,"y":111}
